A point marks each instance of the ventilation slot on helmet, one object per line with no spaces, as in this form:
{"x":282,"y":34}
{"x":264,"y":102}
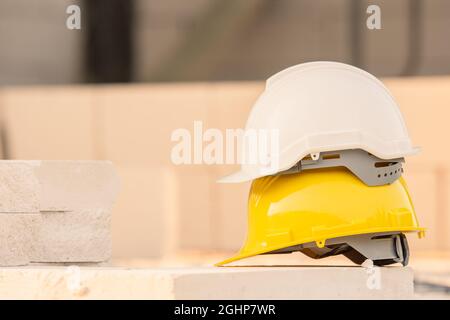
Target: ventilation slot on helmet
{"x":383,"y":164}
{"x":331,"y":156}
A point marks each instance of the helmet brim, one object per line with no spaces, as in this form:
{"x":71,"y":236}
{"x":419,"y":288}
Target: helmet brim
{"x":248,"y":254}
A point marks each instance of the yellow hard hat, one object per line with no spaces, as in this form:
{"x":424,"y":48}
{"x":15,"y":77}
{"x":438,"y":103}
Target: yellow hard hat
{"x":330,"y":211}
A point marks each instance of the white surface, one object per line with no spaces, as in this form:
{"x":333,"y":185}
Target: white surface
{"x":203,"y":283}
{"x":16,"y":237}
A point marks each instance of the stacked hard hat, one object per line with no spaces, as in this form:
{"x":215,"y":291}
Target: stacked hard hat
{"x":337,"y":186}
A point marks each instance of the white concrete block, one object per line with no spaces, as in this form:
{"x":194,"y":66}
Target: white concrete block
{"x":77,"y":185}
{"x":204,"y":283}
{"x":16,"y":238}
{"x":55,"y":237}
{"x":77,"y":236}
{"x":19,"y":187}
{"x":34,"y":186}
{"x":294,"y":283}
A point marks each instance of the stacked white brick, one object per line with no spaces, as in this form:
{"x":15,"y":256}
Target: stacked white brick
{"x":56,"y":211}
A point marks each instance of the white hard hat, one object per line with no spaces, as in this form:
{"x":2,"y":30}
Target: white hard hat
{"x":325,"y":106}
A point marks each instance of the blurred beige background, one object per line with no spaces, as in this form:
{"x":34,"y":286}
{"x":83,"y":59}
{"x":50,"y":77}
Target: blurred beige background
{"x":163,"y":208}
